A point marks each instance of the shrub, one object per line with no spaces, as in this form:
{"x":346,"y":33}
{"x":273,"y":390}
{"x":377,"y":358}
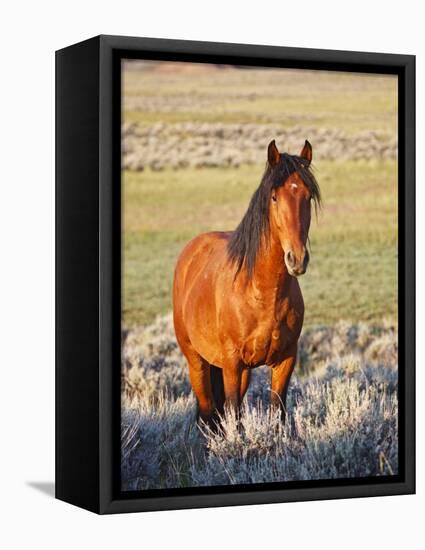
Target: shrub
{"x":342,"y":414}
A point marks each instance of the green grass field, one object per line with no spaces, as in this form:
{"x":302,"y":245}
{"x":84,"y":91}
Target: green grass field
{"x":353,"y":269}
{"x":352,"y":273}
{"x":322,"y":99}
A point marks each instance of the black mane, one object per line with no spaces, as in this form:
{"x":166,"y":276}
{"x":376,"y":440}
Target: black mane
{"x":245,"y":241}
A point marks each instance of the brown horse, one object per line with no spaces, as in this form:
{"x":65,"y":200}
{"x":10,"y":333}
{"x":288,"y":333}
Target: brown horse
{"x":237,"y":303}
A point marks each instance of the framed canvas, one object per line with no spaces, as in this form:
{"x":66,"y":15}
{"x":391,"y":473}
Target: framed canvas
{"x":235,"y":304}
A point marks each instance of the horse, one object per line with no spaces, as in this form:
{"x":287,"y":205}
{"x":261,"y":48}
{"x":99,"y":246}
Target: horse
{"x":237,"y":303}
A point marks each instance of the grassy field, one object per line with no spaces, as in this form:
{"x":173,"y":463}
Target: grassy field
{"x":352,"y":272}
{"x":321,"y":99}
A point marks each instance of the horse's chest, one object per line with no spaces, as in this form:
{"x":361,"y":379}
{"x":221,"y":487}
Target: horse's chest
{"x":268,"y":343}
{"x":259,"y":330}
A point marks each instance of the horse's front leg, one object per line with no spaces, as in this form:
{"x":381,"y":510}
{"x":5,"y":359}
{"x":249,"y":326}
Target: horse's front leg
{"x":232,"y":378}
{"x":281,"y":375}
{"x":245,"y":380}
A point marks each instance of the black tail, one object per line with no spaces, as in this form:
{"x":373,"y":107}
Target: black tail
{"x":218,"y":388}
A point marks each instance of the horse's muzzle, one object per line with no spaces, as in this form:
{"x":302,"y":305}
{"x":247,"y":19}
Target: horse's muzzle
{"x":297,"y":265}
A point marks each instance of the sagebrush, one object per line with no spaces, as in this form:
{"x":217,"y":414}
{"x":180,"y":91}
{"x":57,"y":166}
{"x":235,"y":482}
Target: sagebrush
{"x":342,"y":414}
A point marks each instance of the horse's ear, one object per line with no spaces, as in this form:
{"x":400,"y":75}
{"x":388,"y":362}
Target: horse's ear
{"x":307,"y":152}
{"x":273,"y":154}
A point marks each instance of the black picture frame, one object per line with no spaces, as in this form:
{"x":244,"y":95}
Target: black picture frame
{"x":88,"y":264}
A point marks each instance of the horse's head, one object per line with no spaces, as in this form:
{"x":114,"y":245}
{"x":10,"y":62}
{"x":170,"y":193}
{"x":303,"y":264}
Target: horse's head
{"x":293,"y":190}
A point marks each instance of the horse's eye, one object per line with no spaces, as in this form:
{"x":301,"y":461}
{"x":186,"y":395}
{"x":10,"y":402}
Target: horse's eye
{"x":274,"y":198}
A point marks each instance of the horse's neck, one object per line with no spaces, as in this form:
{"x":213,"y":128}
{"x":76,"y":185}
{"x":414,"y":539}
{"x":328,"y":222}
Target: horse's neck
{"x":270,"y":276}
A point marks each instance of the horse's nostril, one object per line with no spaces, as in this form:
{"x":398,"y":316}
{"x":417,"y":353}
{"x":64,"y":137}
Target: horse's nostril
{"x":290,"y":258}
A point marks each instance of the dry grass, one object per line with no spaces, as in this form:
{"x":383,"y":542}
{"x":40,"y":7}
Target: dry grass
{"x":216,"y":144}
{"x":342,"y":414}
